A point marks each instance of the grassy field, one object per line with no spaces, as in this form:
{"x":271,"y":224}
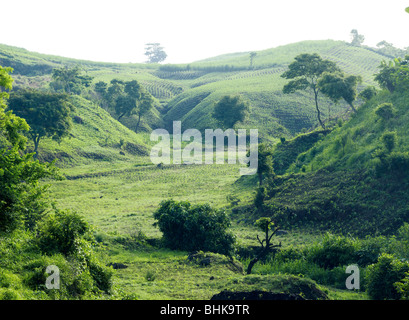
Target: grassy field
{"x":118,"y":199}
{"x":112,"y":183}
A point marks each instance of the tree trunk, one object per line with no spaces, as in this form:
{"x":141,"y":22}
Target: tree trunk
{"x":119,"y":118}
{"x":137,"y":125}
{"x":251,"y":265}
{"x":36,"y":140}
{"x":318,"y":109}
{"x":260,"y":178}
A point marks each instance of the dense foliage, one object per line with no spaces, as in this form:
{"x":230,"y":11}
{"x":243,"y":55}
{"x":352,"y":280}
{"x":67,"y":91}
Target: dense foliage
{"x":31,"y":236}
{"x":194,"y":227}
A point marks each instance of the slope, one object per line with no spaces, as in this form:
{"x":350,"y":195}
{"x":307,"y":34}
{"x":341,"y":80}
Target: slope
{"x":272,"y":112}
{"x":95,"y":136}
{"x":347,"y":181}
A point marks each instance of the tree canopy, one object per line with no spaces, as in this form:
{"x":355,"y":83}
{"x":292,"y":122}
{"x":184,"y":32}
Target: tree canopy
{"x":155,"y":53}
{"x":304,"y":74}
{"x":337,"y":86}
{"x":48,"y":114}
{"x":230,"y":110}
{"x":21,"y":197}
{"x":69,"y":80}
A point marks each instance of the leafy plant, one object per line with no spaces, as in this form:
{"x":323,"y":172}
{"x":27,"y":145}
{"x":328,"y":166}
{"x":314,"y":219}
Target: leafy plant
{"x":382,"y":276}
{"x":194,"y":227}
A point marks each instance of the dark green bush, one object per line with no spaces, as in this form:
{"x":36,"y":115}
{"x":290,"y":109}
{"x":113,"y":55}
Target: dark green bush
{"x":395,"y":163}
{"x":385,"y":111}
{"x":369,"y":250}
{"x":333,"y":251}
{"x":389,"y":140}
{"x":382,"y":276}
{"x":60,"y":232}
{"x":188,"y":227}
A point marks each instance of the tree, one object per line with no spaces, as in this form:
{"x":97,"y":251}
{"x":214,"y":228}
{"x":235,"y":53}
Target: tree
{"x":100,"y":89}
{"x":21,"y":196}
{"x":48,"y":114}
{"x":304,"y":73}
{"x":69,"y":80}
{"x":357,"y":39}
{"x":264,"y":224}
{"x":230,"y":110}
{"x":265,"y":162}
{"x":128,"y":98}
{"x":385,"y":77}
{"x":252,"y":56}
{"x":145,"y":105}
{"x":155,"y":53}
{"x":368,"y":93}
{"x":337,"y":86}
{"x":194,"y":227}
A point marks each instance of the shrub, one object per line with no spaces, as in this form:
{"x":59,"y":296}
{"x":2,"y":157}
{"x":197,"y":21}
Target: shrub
{"x":382,"y":276}
{"x":333,"y":251}
{"x":396,"y":163}
{"x":385,"y":111}
{"x":368,"y":93}
{"x":191,"y":228}
{"x":370,"y":249}
{"x":402,"y":287}
{"x":389,"y":140}
{"x":60,"y":232}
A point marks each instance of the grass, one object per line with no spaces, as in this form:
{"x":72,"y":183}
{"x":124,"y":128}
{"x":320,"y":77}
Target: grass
{"x":117,"y":189}
{"x":119,"y":198}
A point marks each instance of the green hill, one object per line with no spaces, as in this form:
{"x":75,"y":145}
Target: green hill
{"x":187,"y":92}
{"x":272,"y":112}
{"x":345,"y":180}
{"x":95,"y":136}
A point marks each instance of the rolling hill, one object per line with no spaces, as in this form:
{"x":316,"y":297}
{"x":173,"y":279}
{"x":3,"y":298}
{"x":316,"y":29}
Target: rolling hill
{"x":346,"y":180}
{"x":187,"y":92}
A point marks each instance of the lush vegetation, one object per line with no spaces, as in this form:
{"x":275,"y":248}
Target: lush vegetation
{"x":330,"y":191}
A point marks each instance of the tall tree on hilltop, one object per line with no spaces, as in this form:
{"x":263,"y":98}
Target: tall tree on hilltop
{"x":357,"y":39}
{"x":252,"y":56}
{"x":304,"y":73}
{"x":155,"y":53}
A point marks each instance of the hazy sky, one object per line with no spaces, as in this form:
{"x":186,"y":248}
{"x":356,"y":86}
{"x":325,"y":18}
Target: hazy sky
{"x":117,"y":31}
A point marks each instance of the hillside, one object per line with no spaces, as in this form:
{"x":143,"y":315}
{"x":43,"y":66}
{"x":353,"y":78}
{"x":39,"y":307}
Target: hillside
{"x":339,"y":180}
{"x":345,"y":180}
{"x":187,"y":92}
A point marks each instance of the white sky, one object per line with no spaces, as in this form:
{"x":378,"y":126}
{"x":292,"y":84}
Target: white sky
{"x":190,"y":30}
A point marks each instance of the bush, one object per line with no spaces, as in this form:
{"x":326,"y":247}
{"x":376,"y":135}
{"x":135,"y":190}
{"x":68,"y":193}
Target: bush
{"x":369,"y":250}
{"x":333,"y":251}
{"x":193,"y":228}
{"x":389,"y":140}
{"x":385,"y":111}
{"x":396,"y":163}
{"x":368,"y":93}
{"x":382,"y":276}
{"x":60,"y":232}
{"x":403,"y":287}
